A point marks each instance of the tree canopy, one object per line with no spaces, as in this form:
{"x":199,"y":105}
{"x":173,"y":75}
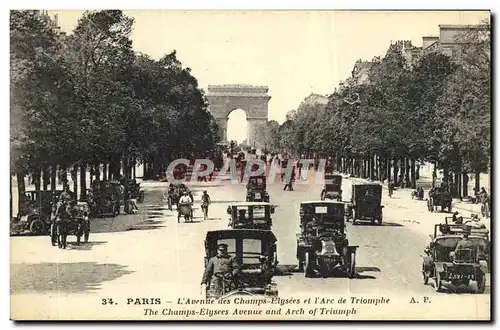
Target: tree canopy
{"x":90,"y":98}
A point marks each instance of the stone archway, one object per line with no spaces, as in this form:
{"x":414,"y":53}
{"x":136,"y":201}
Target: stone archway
{"x":253,"y":100}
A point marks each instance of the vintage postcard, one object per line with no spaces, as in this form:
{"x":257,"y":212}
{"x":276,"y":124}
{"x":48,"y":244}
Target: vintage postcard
{"x":250,"y":165}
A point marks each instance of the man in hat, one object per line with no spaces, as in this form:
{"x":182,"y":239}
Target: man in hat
{"x":222,"y":267}
{"x":66,"y":196}
{"x":464,"y":243}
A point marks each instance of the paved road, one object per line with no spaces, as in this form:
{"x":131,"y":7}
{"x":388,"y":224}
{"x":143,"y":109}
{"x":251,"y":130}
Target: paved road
{"x":166,"y":258}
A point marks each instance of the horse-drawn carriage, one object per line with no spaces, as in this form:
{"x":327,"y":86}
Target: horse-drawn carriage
{"x":333,"y":187}
{"x":439,"y":198}
{"x":418,"y":194}
{"x":257,"y":189}
{"x":366,"y":203}
{"x":322,"y":245}
{"x":185,"y":210}
{"x":250,"y":215}
{"x":35,"y":209}
{"x":135,"y":191}
{"x":451,"y":266}
{"x":255,"y":253}
{"x":175,"y":191}
{"x":70,"y":219}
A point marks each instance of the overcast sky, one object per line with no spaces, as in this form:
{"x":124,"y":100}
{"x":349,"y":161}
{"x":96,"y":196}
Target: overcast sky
{"x":295,"y":53}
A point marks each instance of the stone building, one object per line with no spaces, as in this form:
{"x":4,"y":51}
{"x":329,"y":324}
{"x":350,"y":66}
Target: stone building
{"x":448,"y":42}
{"x":313,"y":99}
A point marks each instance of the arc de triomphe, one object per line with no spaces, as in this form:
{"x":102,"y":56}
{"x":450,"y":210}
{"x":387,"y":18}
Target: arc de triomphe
{"x":223,"y":99}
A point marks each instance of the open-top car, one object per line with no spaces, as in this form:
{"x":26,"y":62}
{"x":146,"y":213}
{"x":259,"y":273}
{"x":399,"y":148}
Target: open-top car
{"x":35,"y":209}
{"x":366,"y":203}
{"x":449,"y":265}
{"x":333,"y":187}
{"x":250,"y":215}
{"x":255,"y":254}
{"x":256,"y":189}
{"x":322,"y":245}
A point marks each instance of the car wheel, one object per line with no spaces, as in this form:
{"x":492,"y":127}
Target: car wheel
{"x":438,"y":283}
{"x":351,"y":270}
{"x":36,"y":227}
{"x":481,"y":284}
{"x":308,"y":267}
{"x":425,"y":275}
{"x":354,"y":217}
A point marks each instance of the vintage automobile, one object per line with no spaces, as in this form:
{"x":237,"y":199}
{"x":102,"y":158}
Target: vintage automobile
{"x":250,"y":215}
{"x":255,"y":251}
{"x":449,"y":267}
{"x":107,"y":198}
{"x":439,"y":199}
{"x":322,"y":245}
{"x":35,"y":209}
{"x":333,"y":189}
{"x":366,"y":203}
{"x":257,"y":189}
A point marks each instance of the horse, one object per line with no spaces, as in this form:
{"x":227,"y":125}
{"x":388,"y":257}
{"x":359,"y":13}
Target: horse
{"x":63,"y":216}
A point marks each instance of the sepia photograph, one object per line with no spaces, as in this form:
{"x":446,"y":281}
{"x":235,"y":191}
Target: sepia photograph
{"x":243,"y":165}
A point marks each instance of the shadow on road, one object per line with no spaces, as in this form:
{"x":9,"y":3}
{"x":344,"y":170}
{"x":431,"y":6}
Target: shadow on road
{"x":226,"y":202}
{"x":63,"y":277}
{"x":384,"y":224}
{"x":367,"y":269}
{"x":364,"y":277}
{"x":148,"y":224}
{"x":84,"y":246}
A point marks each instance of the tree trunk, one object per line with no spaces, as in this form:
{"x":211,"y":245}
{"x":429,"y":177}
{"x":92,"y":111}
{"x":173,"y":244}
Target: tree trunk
{"x":53,"y":177}
{"x":465,"y":184}
{"x":457,"y":185}
{"x":124,"y":166}
{"x":74,"y":177}
{"x":434,"y":174}
{"x":83,"y":182}
{"x":133,"y":169}
{"x":402,"y":175}
{"x":446,"y":172}
{"x":104,"y":172}
{"x":21,"y":188}
{"x":396,"y":171}
{"x":46,"y":178}
{"x":387,"y":168}
{"x":64,"y":176}
{"x":413,"y":177}
{"x":98,"y":172}
{"x":36,"y":179}
{"x":477,"y":181}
